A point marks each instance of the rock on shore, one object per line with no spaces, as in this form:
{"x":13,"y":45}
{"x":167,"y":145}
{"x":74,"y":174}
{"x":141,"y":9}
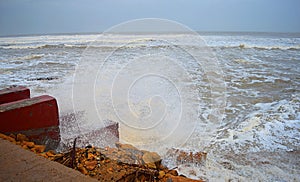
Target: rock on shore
{"x":123,"y":163}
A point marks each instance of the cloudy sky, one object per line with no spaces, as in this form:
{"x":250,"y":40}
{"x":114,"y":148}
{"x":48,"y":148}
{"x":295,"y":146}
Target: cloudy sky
{"x":70,"y":16}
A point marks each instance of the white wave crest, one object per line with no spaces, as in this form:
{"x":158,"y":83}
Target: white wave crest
{"x":273,"y":126}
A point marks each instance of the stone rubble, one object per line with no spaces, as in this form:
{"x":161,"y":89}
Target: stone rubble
{"x":123,"y":163}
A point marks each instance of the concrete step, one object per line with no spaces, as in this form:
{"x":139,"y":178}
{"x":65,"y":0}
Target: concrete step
{"x":17,"y":164}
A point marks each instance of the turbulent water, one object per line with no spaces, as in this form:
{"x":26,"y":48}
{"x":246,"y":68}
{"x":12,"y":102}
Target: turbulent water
{"x":258,"y":137}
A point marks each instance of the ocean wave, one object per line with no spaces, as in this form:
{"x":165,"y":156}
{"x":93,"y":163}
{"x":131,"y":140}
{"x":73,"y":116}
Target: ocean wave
{"x":263,"y":129}
{"x":243,"y":46}
{"x":102,"y":43}
{"x":43,"y":46}
{"x":67,"y":46}
{"x":140,"y":42}
{"x":31,"y":57}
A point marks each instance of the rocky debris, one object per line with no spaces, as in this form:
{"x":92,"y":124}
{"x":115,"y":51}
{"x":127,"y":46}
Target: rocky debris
{"x":187,"y":156}
{"x":38,"y":148}
{"x":28,"y":144}
{"x":20,"y":137}
{"x":90,"y":165}
{"x":10,"y":138}
{"x":151,"y":159}
{"x":161,"y":174}
{"x":125,"y":146}
{"x":109,"y":164}
{"x":123,"y":163}
{"x":24,"y":142}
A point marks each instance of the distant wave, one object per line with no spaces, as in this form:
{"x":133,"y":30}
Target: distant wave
{"x":243,"y":46}
{"x":44,"y":46}
{"x":83,"y":45}
{"x":30,"y":57}
{"x":140,"y":43}
{"x":69,"y":46}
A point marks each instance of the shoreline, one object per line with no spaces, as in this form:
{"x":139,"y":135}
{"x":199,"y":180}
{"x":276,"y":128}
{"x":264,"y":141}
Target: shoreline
{"x":123,"y":163}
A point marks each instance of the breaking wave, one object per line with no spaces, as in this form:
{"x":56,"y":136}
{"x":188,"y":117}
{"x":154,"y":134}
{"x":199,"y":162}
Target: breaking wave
{"x":244,"y":46}
{"x":44,"y":46}
{"x":31,"y":57}
{"x":108,"y":46}
{"x":271,"y":127}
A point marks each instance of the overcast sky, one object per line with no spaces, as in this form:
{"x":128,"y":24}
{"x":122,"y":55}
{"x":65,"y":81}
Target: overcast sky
{"x":70,"y":16}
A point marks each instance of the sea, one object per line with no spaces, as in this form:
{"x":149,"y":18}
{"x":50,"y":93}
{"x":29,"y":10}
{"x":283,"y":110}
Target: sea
{"x":233,"y":95}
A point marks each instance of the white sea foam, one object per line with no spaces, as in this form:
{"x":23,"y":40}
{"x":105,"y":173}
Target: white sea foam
{"x":271,"y":127}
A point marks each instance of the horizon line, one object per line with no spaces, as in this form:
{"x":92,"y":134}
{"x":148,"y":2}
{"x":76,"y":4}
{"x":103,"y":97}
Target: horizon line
{"x":145,"y":32}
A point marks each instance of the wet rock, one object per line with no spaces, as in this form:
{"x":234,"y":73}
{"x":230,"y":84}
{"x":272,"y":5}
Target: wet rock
{"x":2,"y":136}
{"x":187,"y":157}
{"x":13,"y":136}
{"x":38,"y":148}
{"x":90,"y":156}
{"x":20,"y":137}
{"x":110,"y":170}
{"x":151,"y":165}
{"x":9,"y":138}
{"x":151,"y":159}
{"x":161,"y":174}
{"x":50,"y":153}
{"x":82,"y":169}
{"x":57,"y":156}
{"x":173,"y":172}
{"x":91,"y":165}
{"x":125,"y":146}
{"x":44,"y":155}
{"x":28,"y":144}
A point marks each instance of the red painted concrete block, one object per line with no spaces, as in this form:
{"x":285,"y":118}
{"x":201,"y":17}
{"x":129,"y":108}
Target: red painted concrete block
{"x":28,"y":114}
{"x":14,"y":93}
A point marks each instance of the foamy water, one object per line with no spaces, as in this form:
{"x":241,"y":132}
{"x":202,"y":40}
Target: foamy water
{"x":258,"y":138}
